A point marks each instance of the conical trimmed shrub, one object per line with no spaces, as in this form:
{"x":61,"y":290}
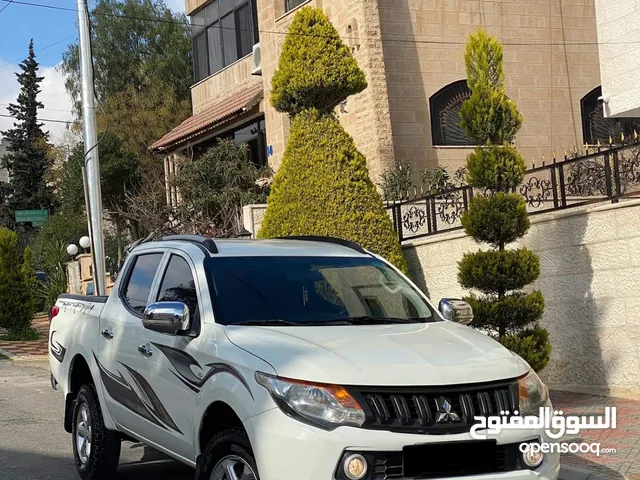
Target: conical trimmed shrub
{"x":497,"y":215}
{"x":323,"y":188}
{"x":316,"y":68}
{"x":323,"y":185}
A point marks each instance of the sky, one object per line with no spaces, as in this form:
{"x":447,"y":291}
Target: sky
{"x":52,"y":32}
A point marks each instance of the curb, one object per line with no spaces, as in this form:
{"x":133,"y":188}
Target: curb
{"x":7,"y":354}
{"x":576,"y":473}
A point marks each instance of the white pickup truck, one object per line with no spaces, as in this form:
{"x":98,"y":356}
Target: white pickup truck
{"x":304,"y":358}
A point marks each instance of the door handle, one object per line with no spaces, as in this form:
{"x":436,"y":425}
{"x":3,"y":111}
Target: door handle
{"x":146,"y":351}
{"x":107,"y":334}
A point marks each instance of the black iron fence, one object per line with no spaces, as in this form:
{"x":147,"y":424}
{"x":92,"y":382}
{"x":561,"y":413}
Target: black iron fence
{"x":603,"y":175}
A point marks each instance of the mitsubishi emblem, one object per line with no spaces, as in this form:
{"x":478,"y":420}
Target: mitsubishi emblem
{"x":444,"y":413}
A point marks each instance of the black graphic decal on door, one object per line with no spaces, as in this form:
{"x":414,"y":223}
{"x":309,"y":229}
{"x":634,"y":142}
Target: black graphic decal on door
{"x":150,"y":408}
{"x":182,"y":363}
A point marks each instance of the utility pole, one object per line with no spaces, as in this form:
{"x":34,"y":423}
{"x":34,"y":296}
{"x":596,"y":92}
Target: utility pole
{"x":92,"y":163}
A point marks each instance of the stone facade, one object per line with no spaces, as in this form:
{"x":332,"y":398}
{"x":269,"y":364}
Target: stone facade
{"x":618,"y":34}
{"x":590,"y":278}
{"x":410,"y":49}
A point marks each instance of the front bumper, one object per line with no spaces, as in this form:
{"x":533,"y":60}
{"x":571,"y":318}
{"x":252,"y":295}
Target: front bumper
{"x":287,"y":449}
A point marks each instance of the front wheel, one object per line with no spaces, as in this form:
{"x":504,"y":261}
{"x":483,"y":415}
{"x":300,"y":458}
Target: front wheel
{"x":228,"y":456}
{"x":96,"y":450}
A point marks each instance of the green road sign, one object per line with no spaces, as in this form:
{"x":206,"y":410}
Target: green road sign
{"x":35,"y":217}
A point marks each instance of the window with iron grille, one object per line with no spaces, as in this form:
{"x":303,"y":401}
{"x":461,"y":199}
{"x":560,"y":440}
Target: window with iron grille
{"x":597,"y":128}
{"x":291,"y":4}
{"x":222,"y":32}
{"x":445,"y":108}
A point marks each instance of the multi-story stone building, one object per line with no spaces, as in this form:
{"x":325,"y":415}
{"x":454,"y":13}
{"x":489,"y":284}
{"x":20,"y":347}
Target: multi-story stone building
{"x":412,"y":52}
{"x":619,"y":36}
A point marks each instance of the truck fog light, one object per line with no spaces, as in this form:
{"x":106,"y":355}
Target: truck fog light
{"x":355,"y":467}
{"x":532,"y":458}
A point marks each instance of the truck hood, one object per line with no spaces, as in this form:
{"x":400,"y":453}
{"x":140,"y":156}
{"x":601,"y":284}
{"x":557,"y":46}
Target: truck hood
{"x":440,"y":353}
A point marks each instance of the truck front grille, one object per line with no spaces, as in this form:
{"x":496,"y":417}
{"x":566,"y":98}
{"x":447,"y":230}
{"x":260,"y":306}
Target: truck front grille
{"x":434,"y":410}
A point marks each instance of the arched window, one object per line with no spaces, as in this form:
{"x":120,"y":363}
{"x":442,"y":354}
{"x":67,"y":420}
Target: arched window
{"x":445,"y":108}
{"x":595,"y":127}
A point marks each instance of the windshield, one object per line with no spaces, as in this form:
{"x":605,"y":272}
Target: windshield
{"x":313,"y":291}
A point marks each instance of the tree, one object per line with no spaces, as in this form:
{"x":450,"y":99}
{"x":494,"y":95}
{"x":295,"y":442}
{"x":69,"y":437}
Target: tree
{"x":213,"y":188}
{"x":28,"y":143}
{"x":323,"y":186}
{"x":63,"y":228}
{"x":119,"y":174}
{"x":16,"y":301}
{"x":498,"y":216}
{"x":143,"y":74}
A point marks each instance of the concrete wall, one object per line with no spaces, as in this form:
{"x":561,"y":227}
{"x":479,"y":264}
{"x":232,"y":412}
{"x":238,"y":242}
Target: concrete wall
{"x":590,"y":262}
{"x":618,"y":34}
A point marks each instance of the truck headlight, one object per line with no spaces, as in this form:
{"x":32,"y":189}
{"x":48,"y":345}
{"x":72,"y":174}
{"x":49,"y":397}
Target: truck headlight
{"x":533,"y":394}
{"x":326,"y":406}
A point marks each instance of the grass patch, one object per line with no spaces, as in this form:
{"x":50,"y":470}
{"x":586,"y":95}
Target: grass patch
{"x":4,"y":357}
{"x":26,"y":335}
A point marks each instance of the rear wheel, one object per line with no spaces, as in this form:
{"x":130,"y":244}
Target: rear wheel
{"x":96,"y":450}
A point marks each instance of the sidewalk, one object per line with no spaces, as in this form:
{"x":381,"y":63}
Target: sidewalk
{"x":36,"y":350}
{"x":625,"y":463}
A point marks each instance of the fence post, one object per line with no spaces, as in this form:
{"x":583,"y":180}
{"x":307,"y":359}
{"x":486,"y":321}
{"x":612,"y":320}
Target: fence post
{"x":432,"y":208}
{"x":616,"y":175}
{"x":563,"y":193}
{"x":554,"y":185}
{"x":397,"y":218}
{"x":607,"y":178}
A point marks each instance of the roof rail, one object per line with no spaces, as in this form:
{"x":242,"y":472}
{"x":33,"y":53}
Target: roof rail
{"x":204,"y":242}
{"x":337,"y":241}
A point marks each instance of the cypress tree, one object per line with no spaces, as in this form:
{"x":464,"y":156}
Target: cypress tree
{"x":26,"y":159}
{"x":497,"y":216}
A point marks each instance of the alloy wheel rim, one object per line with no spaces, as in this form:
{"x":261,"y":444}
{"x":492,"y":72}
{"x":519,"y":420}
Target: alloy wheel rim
{"x":233,"y":467}
{"x":83,"y":433}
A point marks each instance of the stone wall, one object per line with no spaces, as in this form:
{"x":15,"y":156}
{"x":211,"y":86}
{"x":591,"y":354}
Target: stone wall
{"x":590,"y":277}
{"x":424,"y":44}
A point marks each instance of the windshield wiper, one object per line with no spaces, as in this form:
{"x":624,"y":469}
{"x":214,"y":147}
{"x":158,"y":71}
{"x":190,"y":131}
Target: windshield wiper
{"x":367,"y":320}
{"x":268,"y":323}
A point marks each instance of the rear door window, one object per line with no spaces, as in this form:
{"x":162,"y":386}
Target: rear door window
{"x":136,"y":292}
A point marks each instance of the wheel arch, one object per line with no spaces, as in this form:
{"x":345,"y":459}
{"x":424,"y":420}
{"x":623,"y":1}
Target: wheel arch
{"x":217,"y":417}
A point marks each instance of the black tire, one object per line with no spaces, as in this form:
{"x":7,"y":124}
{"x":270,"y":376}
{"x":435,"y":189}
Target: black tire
{"x":228,"y":442}
{"x":104,"y":454}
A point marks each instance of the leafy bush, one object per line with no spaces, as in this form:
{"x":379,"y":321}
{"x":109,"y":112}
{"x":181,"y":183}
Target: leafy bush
{"x":495,"y":168}
{"x":62,"y":228}
{"x":439,"y":180}
{"x":500,"y":216}
{"x":316,"y":68}
{"x":323,"y":188}
{"x":323,"y":185}
{"x":214,"y":188}
{"x":497,"y":220}
{"x":533,"y":345}
{"x":397,"y":184}
{"x":16,"y":301}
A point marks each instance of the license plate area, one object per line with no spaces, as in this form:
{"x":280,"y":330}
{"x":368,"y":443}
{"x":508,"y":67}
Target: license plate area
{"x":434,"y":460}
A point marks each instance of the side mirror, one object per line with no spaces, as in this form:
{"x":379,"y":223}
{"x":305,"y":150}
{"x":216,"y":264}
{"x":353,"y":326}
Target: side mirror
{"x":455,"y":310}
{"x":167,"y":317}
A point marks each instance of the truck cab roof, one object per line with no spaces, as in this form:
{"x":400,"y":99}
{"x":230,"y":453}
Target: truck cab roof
{"x":236,"y":247}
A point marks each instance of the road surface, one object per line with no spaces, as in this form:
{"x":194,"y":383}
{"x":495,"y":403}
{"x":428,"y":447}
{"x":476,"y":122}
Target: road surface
{"x":34,"y":445}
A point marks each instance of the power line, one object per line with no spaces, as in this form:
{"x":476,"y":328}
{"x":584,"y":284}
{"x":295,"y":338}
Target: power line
{"x":40,"y":119}
{"x":37,"y":51}
{"x":45,"y":108}
{"x":4,"y":8}
{"x":271,"y":32}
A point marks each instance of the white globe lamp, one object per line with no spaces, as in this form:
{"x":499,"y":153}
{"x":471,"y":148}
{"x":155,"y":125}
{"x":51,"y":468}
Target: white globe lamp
{"x":72,"y":250}
{"x":85,"y":242}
